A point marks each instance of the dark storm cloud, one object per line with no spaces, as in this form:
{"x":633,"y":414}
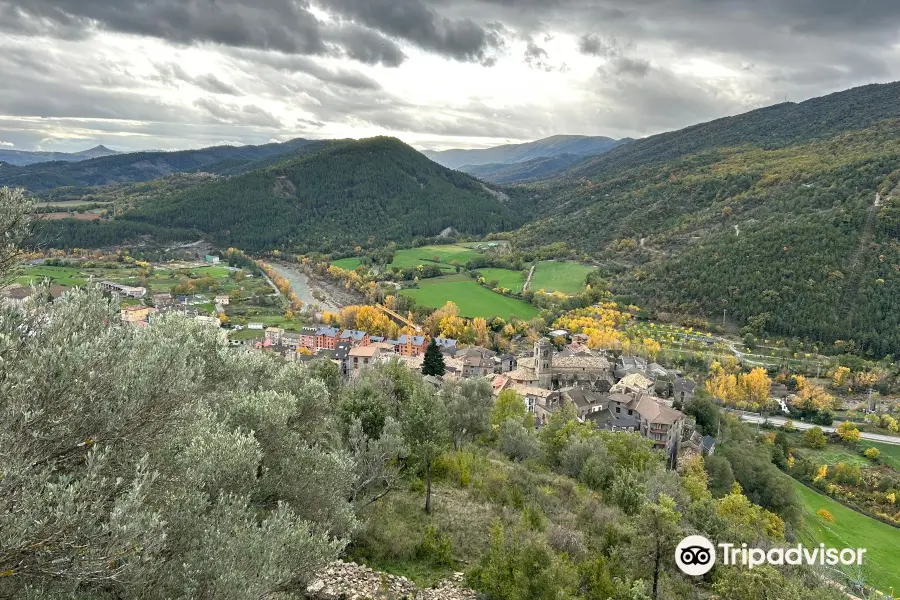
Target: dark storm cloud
{"x":412,"y":20}
{"x":285,"y":25}
{"x":366,"y":45}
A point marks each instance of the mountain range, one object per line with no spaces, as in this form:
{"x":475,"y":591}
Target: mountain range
{"x":21,"y":158}
{"x":769,"y":216}
{"x":530,"y":160}
{"x":135,"y":167}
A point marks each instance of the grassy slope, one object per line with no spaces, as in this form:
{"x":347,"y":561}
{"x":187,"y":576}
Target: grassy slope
{"x":513,"y":280}
{"x":566,"y":277}
{"x":472,"y":299}
{"x":349,"y":263}
{"x":852,"y":529}
{"x":413,"y":257}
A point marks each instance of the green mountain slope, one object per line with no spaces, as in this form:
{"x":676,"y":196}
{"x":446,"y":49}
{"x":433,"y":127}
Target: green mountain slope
{"x":556,"y":145}
{"x":336,"y":198}
{"x":140,"y":166}
{"x":769,"y":216}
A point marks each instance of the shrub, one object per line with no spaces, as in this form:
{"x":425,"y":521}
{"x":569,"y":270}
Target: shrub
{"x":872,"y":453}
{"x":825,"y":515}
{"x":517,"y":442}
{"x":435,"y":548}
{"x":814,"y":438}
{"x":848,"y":432}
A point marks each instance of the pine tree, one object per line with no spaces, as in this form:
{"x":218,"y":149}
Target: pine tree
{"x":433,"y":363}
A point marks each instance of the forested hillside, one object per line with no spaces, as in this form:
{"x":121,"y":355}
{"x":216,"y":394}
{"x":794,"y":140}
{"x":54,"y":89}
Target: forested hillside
{"x":336,"y":198}
{"x":523,"y":172}
{"x":784,"y":237}
{"x":142,"y":166}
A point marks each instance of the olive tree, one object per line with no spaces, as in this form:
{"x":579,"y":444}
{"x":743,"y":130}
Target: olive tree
{"x":158,"y":463}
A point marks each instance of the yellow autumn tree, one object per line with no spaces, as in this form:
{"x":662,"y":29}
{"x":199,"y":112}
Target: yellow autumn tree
{"x":651,"y":348}
{"x":480,"y":331}
{"x":753,"y":388}
{"x":840,"y":376}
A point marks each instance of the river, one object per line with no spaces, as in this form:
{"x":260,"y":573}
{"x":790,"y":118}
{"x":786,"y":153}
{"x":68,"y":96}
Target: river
{"x":301,"y":285}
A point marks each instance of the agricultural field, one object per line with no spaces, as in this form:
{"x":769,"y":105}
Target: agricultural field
{"x":35,"y":274}
{"x":554,"y":276}
{"x":512,"y":280}
{"x":413,"y":257}
{"x":349,"y":263}
{"x":472,"y":299}
{"x":851,"y":529}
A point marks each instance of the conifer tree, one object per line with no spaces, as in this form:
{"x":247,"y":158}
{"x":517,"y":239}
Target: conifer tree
{"x":433,"y":364}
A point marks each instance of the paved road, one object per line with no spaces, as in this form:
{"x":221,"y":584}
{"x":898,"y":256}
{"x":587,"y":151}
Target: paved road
{"x":872,"y":437}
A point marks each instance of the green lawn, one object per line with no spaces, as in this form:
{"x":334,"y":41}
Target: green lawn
{"x":57,"y":275}
{"x":413,"y":257}
{"x":553,"y":276}
{"x":513,"y":280}
{"x":472,"y":299}
{"x":347,"y":263}
{"x":851,"y":529}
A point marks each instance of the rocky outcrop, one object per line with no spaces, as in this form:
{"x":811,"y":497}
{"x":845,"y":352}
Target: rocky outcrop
{"x":350,"y":581}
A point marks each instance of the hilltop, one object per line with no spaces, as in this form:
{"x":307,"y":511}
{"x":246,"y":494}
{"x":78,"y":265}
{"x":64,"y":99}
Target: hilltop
{"x":337,"y":197}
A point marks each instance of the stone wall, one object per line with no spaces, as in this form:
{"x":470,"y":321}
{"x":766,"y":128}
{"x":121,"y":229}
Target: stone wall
{"x":349,"y":581}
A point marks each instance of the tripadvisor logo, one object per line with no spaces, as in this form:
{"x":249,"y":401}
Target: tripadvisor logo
{"x":695,"y":555}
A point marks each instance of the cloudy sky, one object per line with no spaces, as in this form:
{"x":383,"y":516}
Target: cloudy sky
{"x":170,"y":74}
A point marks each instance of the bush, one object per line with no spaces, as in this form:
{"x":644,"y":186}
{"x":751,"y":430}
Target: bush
{"x":517,"y":442}
{"x":825,"y":515}
{"x":872,"y":453}
{"x":814,"y":438}
{"x":435,"y":548}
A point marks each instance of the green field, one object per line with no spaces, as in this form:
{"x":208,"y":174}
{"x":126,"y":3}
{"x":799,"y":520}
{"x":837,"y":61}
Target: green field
{"x":214,"y":272}
{"x":349,"y":263}
{"x":57,"y":275}
{"x":553,"y":276}
{"x":513,"y":280}
{"x":851,"y":529}
{"x":413,"y":257}
{"x":472,"y":299}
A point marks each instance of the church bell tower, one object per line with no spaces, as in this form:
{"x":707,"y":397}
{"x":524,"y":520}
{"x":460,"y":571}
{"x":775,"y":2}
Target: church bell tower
{"x":543,"y":363}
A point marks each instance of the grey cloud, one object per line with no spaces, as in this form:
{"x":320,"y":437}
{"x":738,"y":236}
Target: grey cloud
{"x":349,"y":78}
{"x":367,"y":46}
{"x":172,"y":72}
{"x":285,"y":25}
{"x":624,"y":65}
{"x":412,"y":20}
{"x":248,"y":114}
{"x":594,"y":45}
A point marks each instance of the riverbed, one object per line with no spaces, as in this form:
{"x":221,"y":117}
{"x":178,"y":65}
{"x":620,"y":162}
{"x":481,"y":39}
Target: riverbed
{"x":304,"y":287}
